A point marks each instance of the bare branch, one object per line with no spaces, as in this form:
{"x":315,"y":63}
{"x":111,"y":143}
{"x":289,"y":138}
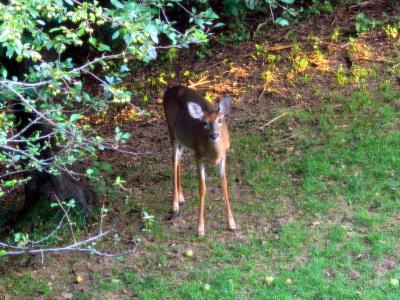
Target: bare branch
{"x":76,"y":247}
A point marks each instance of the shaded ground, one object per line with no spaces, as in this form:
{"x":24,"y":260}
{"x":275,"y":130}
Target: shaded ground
{"x":315,"y":192}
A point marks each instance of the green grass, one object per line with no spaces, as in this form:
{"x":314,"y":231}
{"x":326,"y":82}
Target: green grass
{"x":339,"y":199}
{"x":23,"y":286}
{"x":320,"y":208}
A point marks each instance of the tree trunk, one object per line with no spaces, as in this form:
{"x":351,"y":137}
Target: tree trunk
{"x":48,"y":187}
{"x":44,"y":186}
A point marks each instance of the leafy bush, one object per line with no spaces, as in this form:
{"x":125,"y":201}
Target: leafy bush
{"x":285,"y":13}
{"x":363,"y":24}
{"x":50,"y":48}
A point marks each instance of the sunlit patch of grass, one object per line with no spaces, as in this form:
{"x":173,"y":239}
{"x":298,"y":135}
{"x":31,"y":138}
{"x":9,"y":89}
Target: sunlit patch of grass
{"x":335,"y":34}
{"x":359,"y":50}
{"x":318,"y":59}
{"x":360,"y":73}
{"x":194,"y":76}
{"x":269,"y":78}
{"x":127,"y":114}
{"x":260,"y":52}
{"x":341,"y":76}
{"x":300,"y":60}
{"x":301,"y":63}
{"x":263,"y":53}
{"x":391,"y":31}
{"x":239,"y":72}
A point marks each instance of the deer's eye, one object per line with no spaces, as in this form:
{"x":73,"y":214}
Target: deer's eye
{"x":219,"y":120}
{"x":205,"y":124}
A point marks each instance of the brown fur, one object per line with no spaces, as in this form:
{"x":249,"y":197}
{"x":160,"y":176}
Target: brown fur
{"x":181,"y":125}
{"x":194,"y":133}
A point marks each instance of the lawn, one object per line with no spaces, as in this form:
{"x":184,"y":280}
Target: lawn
{"x":314,"y":182}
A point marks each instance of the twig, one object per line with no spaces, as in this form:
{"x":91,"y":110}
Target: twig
{"x":67,"y":216}
{"x":286,"y":138}
{"x":40,"y":163}
{"x":279,"y":48}
{"x":361,"y":4}
{"x":16,"y":172}
{"x":51,"y":233}
{"x":273,"y":120}
{"x":262,"y":93}
{"x":394,"y":67}
{"x":200,"y":82}
{"x":24,"y":84}
{"x":272,"y":13}
{"x":259,"y":27}
{"x":70,"y":248}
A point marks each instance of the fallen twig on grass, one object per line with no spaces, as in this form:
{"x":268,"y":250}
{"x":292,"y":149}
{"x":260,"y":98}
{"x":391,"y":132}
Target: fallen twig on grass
{"x":75,"y":247}
{"x":200,"y":82}
{"x":287,"y":138}
{"x":273,"y":120}
{"x":262,"y":93}
{"x":361,"y":4}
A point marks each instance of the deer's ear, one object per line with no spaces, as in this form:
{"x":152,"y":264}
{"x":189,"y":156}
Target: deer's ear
{"x":195,"y":110}
{"x":225,"y":105}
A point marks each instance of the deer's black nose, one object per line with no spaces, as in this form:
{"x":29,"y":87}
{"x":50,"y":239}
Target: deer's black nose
{"x":213,"y":136}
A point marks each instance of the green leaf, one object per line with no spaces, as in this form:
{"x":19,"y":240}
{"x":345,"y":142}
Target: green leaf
{"x":152,"y":52}
{"x":117,"y":4}
{"x":89,"y":172}
{"x":287,"y":1}
{"x":281,"y":22}
{"x":106,"y":167}
{"x":110,"y":79}
{"x":10,"y":183}
{"x":115,"y":35}
{"x":92,"y":41}
{"x":3,"y":252}
{"x":153,"y":32}
{"x":75,"y":117}
{"x":124,"y":68}
{"x":103,"y":47}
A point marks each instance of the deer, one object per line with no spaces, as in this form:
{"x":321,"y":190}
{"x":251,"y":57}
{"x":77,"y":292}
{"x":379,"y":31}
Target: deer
{"x":195,"y":124}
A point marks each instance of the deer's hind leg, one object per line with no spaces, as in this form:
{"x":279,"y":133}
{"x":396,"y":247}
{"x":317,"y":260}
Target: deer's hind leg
{"x":181,"y":199}
{"x":175,"y":178}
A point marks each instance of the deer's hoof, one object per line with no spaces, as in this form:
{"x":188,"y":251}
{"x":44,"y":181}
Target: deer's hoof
{"x":173,"y":214}
{"x":200,"y":231}
{"x":233,"y":229}
{"x":181,"y":200}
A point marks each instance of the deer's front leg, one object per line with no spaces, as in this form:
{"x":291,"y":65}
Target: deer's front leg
{"x":224,"y":185}
{"x":202,"y":192}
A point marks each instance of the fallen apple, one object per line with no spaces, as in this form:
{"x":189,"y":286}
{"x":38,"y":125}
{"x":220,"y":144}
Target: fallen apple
{"x":78,"y":279}
{"x":269,"y":280}
{"x":189,"y":253}
{"x":394,"y":282}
